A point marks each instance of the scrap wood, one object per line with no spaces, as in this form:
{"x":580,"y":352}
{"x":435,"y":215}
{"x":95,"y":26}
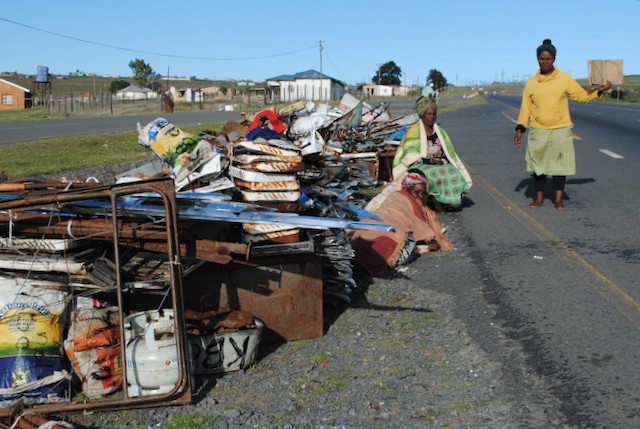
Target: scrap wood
{"x":288,"y":185}
{"x":38,"y":186}
{"x":140,"y":236}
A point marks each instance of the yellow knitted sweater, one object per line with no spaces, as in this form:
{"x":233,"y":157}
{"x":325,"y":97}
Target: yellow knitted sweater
{"x":545,"y":100}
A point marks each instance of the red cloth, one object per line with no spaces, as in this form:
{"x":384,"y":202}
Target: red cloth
{"x":378,"y":250}
{"x":275,"y":122}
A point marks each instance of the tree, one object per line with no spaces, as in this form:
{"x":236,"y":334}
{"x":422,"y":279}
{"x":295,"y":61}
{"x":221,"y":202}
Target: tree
{"x":388,"y":74}
{"x":142,"y":72}
{"x":436,"y":80}
{"x":117,"y":85}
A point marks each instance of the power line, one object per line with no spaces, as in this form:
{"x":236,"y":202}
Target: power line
{"x":334,"y":66}
{"x":77,"y":39}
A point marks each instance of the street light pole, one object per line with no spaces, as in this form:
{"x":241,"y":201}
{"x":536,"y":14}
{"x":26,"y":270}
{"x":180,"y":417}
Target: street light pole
{"x":320,"y":45}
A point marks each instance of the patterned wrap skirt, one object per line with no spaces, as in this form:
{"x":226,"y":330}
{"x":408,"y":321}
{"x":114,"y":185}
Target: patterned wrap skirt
{"x":444,"y":182}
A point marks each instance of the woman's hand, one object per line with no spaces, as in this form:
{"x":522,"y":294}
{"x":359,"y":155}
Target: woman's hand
{"x":604,"y":88}
{"x":517,"y":140}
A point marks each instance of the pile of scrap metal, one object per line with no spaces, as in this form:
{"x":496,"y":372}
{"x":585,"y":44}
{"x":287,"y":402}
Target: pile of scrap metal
{"x":303,"y":158}
{"x":93,"y":311}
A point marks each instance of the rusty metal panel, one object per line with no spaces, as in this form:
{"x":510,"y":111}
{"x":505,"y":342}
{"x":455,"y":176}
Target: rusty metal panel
{"x":286,"y":297}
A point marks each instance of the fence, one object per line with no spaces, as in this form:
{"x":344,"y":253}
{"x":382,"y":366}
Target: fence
{"x":106,"y":103}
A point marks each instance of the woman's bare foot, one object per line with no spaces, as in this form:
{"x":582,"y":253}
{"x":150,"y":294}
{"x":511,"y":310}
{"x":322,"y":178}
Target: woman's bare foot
{"x":536,"y":204}
{"x":557,"y":201}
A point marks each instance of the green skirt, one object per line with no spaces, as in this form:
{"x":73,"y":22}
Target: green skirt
{"x":551,"y":152}
{"x":444,"y":182}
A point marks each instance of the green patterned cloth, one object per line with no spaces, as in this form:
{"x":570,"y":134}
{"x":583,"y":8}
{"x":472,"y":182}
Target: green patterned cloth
{"x":444,"y":182}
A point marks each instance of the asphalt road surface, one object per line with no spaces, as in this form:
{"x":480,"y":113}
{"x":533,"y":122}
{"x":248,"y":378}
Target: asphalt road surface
{"x":14,"y":132}
{"x":564,"y":285}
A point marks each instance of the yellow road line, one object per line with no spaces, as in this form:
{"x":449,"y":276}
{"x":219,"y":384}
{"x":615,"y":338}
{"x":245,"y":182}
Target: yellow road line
{"x":626,"y":305}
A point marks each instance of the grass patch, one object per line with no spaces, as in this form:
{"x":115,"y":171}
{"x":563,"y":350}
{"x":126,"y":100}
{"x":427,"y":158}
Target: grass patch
{"x":101,"y":418}
{"x":463,"y":406}
{"x":57,"y":155}
{"x":70,"y":153}
{"x":190,"y":421}
{"x":328,"y":382}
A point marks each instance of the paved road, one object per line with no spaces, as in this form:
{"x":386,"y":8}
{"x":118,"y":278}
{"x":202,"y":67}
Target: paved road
{"x":13,"y":132}
{"x":562,"y":285}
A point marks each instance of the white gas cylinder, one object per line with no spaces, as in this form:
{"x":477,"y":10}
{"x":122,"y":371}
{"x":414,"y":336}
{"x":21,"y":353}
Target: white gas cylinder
{"x":152,"y":356}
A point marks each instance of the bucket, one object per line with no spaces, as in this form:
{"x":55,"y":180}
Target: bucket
{"x":234,"y":351}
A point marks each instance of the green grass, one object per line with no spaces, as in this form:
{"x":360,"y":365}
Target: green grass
{"x":326,"y":383}
{"x":69,"y":153}
{"x":190,"y":421}
{"x":107,"y":418}
{"x":57,"y":155}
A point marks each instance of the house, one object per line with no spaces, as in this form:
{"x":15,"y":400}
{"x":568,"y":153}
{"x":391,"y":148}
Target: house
{"x":405,"y":90}
{"x":374,"y":90}
{"x":216,"y":93}
{"x":133,"y":92}
{"x":307,"y":85}
{"x":14,"y":97}
{"x":185,"y":95}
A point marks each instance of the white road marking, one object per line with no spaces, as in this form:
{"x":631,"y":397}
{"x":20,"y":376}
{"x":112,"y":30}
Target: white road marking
{"x":508,"y":117}
{"x":611,"y":154}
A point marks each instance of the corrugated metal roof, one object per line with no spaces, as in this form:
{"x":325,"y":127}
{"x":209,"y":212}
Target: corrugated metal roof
{"x":133,"y":88}
{"x":13,"y":84}
{"x":308,"y":74}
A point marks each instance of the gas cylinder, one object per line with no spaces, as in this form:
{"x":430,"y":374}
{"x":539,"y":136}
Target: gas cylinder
{"x":152,"y":353}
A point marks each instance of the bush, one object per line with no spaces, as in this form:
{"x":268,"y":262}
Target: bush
{"x":616,"y":94}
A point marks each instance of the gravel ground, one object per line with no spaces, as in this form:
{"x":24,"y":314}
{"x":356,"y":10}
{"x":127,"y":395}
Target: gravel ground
{"x":398,"y":356}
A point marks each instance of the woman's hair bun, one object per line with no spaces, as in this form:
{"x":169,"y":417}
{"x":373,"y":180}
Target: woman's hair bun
{"x":546,"y":42}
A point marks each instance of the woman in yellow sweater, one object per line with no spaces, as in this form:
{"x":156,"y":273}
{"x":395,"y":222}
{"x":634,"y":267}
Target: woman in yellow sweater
{"x":545,"y":109}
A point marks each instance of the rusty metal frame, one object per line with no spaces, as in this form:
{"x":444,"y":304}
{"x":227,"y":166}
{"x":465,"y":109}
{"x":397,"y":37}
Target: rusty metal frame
{"x":181,"y":393}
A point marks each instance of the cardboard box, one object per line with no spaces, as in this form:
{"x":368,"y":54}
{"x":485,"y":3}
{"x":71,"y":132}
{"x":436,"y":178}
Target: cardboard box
{"x":601,"y":71}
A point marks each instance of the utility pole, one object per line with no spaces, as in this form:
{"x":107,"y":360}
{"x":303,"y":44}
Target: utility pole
{"x":320,"y":45}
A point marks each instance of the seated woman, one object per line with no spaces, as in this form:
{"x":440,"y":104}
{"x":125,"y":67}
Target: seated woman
{"x":416,"y":229}
{"x":428,"y":149}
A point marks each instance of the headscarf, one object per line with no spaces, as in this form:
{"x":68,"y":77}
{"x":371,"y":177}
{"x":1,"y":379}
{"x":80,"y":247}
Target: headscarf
{"x":423,"y":104}
{"x":547,"y":46}
{"x":412,"y":179}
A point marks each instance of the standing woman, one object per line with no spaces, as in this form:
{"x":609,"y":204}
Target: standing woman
{"x":545,"y":108}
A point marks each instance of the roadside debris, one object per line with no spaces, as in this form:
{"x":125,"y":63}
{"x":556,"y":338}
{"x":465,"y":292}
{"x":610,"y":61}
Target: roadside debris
{"x":99,"y":281}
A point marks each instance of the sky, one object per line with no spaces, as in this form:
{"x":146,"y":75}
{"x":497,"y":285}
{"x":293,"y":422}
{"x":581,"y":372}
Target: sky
{"x":469,"y":42}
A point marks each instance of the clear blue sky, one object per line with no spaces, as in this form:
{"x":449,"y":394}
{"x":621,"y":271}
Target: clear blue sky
{"x":468,"y":41}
